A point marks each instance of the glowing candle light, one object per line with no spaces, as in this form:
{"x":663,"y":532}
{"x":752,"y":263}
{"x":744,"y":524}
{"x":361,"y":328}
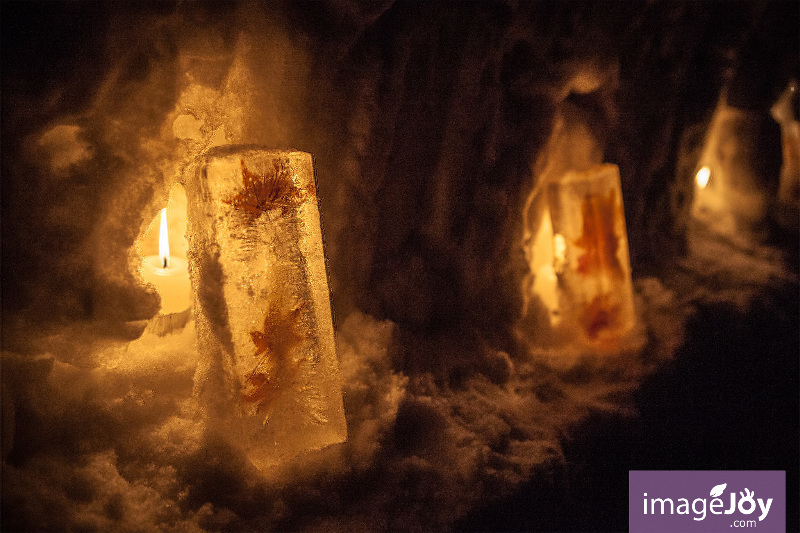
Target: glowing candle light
{"x":169,"y":275}
{"x":702,"y":177}
{"x":163,"y":239}
{"x":559,"y":252}
{"x":545,"y":284}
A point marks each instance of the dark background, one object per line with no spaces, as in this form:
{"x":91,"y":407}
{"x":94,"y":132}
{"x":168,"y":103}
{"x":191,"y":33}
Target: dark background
{"x":402,"y":101}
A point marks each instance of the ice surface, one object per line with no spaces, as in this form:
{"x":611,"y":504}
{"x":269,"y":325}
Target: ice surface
{"x":783,"y":113}
{"x":592,"y":262}
{"x":262,"y":303}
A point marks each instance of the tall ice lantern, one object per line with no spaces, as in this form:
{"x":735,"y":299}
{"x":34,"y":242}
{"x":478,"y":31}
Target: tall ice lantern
{"x":591,"y":254}
{"x":270,"y":374}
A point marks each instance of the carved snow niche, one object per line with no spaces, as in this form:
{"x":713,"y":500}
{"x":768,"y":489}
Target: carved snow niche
{"x":590,"y":257}
{"x":161,"y":253}
{"x":269,"y":373}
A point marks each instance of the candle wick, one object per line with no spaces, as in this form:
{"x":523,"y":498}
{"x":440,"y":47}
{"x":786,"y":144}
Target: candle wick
{"x":165,"y":262}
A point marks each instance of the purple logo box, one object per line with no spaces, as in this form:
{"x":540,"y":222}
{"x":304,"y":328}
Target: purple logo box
{"x":707,"y":501}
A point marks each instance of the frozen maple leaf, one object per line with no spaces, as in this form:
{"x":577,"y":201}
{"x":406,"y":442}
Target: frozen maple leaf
{"x":276,"y":370}
{"x":598,"y":315}
{"x":271,"y":190}
{"x":599,"y":237}
{"x":281,"y":331}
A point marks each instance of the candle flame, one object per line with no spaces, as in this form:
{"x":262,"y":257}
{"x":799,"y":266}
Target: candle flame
{"x":163,"y":240}
{"x":702,"y":177}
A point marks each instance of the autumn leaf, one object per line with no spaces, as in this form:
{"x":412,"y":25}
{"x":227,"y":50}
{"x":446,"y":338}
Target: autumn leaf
{"x":280,"y":333}
{"x":262,"y":192}
{"x":717,"y":490}
{"x":258,"y":388}
{"x":598,"y":315}
{"x":599,"y":237}
{"x":276,"y":370}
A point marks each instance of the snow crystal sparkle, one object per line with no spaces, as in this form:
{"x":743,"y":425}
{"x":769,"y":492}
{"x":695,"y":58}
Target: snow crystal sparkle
{"x":270,"y":373}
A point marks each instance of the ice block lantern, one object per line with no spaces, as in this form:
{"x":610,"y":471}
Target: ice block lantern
{"x":783,"y":111}
{"x":262,"y":303}
{"x":591,"y":249}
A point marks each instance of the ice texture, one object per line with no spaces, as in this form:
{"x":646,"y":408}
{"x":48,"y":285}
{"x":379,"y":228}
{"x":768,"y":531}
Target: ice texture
{"x":591,"y":247}
{"x":270,"y":372}
{"x":783,"y":113}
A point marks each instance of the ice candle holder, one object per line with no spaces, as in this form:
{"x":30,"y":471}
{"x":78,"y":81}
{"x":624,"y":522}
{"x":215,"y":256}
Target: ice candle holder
{"x":783,"y":111}
{"x":270,"y":373}
{"x":591,"y":255}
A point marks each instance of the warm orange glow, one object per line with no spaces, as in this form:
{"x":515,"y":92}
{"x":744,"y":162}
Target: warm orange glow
{"x":559,"y":252}
{"x":702,"y":177}
{"x":163,"y":240}
{"x":163,"y":263}
{"x":545,"y":284}
{"x":598,"y":240}
{"x":590,"y":256}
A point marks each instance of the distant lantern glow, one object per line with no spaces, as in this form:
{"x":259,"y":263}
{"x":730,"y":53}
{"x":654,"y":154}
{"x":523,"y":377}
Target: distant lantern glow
{"x":702,"y":177}
{"x":163,"y":240}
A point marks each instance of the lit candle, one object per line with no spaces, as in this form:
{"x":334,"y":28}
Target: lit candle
{"x":169,"y":275}
{"x":702,"y":177}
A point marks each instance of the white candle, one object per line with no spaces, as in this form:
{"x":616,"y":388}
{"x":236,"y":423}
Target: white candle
{"x":169,"y":275}
{"x":702,"y":177}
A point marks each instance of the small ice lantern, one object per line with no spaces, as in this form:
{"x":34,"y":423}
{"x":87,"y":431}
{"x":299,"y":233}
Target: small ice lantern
{"x":783,"y":111}
{"x":592,"y":263}
{"x":270,"y":373}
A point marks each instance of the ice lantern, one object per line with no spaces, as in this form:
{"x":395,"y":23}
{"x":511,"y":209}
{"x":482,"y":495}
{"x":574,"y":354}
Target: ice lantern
{"x":783,"y":111}
{"x":593,"y":266}
{"x":264,"y":325}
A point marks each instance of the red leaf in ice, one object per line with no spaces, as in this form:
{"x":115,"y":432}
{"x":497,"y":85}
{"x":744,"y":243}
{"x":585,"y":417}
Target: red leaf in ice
{"x":276,"y":369}
{"x":262,"y":192}
{"x":599,"y":238}
{"x":598,"y":315}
